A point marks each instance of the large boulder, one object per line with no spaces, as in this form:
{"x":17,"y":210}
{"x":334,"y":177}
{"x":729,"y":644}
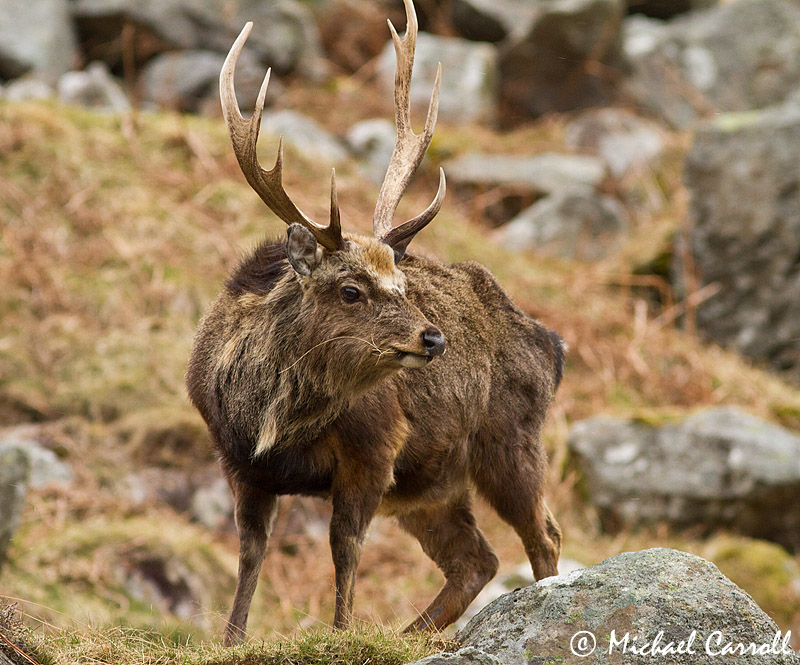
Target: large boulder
{"x":94,"y":88}
{"x":737,"y":56}
{"x":557,"y":62}
{"x":284,"y":34}
{"x":574,"y":223}
{"x":469,"y":77}
{"x":14,"y":473}
{"x":305,"y":135}
{"x":658,"y":604}
{"x":718,"y":468}
{"x":36,"y":37}
{"x":744,"y":189}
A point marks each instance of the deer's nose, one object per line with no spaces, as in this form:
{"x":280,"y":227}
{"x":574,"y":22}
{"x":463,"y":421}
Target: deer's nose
{"x":433,"y":341}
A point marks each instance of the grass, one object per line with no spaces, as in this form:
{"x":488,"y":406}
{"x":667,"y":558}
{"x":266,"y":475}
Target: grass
{"x":116,"y":233}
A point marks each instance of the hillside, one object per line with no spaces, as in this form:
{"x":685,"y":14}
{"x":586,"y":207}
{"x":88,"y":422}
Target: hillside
{"x":115,"y":234}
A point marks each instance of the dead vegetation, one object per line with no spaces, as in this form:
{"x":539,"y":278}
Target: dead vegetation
{"x":115,"y":233}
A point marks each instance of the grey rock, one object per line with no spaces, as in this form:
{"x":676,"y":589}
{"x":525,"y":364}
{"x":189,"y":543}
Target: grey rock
{"x":545,"y":69}
{"x":521,"y":576}
{"x":469,"y":77}
{"x":36,"y":37}
{"x":189,"y":81}
{"x":94,"y":88}
{"x":305,"y":135}
{"x":28,"y":88}
{"x":642,"y":594}
{"x":737,"y":56}
{"x":741,"y":173}
{"x":621,"y":139}
{"x":212,"y":505}
{"x":575,"y":222}
{"x":45,"y":468}
{"x":284,"y":33}
{"x":719,"y":468}
{"x":542,"y":174}
{"x":372,"y":141}
{"x":465,"y":656}
{"x":14,"y":473}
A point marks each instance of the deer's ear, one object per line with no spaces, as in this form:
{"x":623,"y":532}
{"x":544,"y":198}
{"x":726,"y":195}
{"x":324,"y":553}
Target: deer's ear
{"x":302,"y":250}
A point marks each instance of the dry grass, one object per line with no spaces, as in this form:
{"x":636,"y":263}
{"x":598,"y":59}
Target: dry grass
{"x":114,"y":236}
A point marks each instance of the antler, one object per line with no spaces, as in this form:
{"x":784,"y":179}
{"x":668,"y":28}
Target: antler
{"x":409,"y":148}
{"x":268,"y":184}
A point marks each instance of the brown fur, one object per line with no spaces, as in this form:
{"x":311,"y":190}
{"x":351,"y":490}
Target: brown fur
{"x":304,"y":393}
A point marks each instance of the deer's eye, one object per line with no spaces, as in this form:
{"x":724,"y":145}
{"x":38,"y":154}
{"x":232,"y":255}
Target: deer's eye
{"x":350,"y":293}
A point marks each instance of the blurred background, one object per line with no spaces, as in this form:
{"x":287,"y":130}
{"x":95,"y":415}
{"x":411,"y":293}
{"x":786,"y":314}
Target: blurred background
{"x":628,"y":169}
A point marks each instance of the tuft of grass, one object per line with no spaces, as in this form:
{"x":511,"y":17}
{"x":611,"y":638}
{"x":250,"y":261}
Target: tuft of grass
{"x":362,"y":645}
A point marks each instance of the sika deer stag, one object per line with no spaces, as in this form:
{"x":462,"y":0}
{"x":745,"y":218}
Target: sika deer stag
{"x":321,"y":370}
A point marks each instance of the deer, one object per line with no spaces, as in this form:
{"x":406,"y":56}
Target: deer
{"x":341,"y":366}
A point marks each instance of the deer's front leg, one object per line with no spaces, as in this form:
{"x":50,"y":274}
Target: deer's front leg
{"x":353,"y":509}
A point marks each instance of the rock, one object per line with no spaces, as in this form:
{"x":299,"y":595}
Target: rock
{"x":744,"y":190}
{"x":189,"y":81}
{"x":284,"y":34}
{"x":575,"y":222}
{"x":542,"y":174}
{"x":654,"y":597}
{"x":14,"y":473}
{"x":94,"y":88}
{"x":372,"y":141}
{"x":547,"y":68}
{"x":521,"y":576}
{"x":492,"y":20}
{"x":621,"y":139}
{"x":465,"y":656}
{"x":36,"y":37}
{"x":45,"y":468}
{"x":469,"y":77}
{"x":720,"y":468}
{"x":305,"y":135}
{"x":212,"y":505}
{"x":737,"y":56}
{"x":28,"y":88}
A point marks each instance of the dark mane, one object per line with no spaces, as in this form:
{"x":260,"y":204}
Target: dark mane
{"x":258,"y":272}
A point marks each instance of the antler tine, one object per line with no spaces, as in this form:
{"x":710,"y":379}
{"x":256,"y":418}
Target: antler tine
{"x":244,"y":137}
{"x":409,"y":148}
{"x":400,"y":236}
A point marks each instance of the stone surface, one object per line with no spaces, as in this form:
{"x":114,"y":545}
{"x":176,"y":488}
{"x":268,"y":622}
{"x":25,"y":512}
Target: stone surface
{"x":28,"y":88}
{"x":189,"y":81}
{"x":212,"y":504}
{"x":744,"y":187}
{"x":14,"y":473}
{"x":284,"y":34}
{"x":36,"y":37}
{"x":542,"y":174}
{"x":372,"y":141}
{"x":305,"y":135}
{"x":553,"y":66}
{"x":465,"y":656}
{"x":521,"y":576}
{"x":720,"y":468}
{"x":620,"y":138}
{"x":94,"y":88}
{"x":44,"y":466}
{"x":469,"y":77}
{"x":655,"y":594}
{"x":738,"y":56}
{"x":575,"y":222}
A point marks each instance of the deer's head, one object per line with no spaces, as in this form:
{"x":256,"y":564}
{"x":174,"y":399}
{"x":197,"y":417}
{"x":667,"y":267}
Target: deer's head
{"x":352,"y":283}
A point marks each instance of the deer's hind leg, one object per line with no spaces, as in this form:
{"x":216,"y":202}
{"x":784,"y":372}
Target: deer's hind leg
{"x":255,"y":513}
{"x":511,"y":477}
{"x":451,"y":538}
